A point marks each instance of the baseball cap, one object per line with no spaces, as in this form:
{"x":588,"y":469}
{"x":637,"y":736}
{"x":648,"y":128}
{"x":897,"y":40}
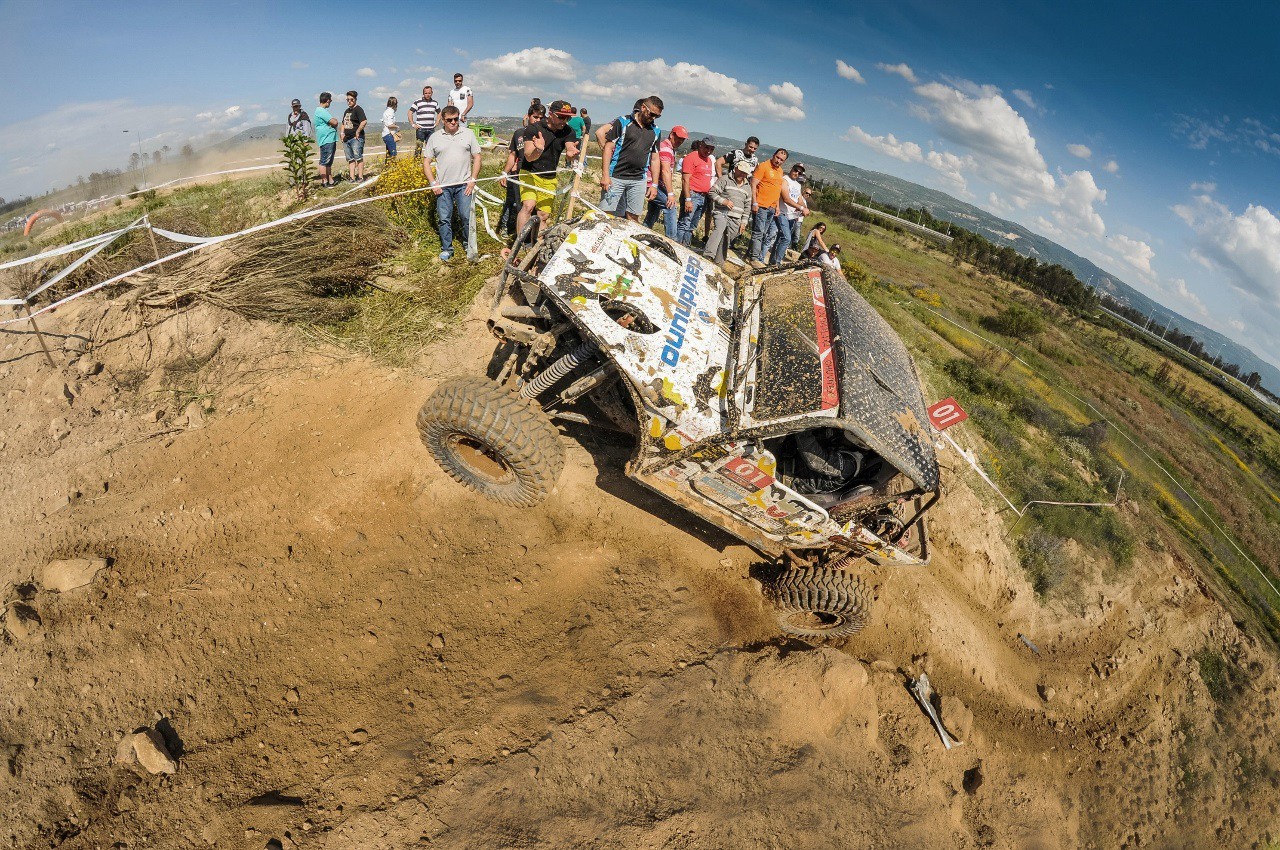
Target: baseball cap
{"x":680,"y":132}
{"x":561,"y":108}
{"x":743,"y":166}
{"x":799,"y":166}
{"x":708,"y":141}
{"x":296,"y":102}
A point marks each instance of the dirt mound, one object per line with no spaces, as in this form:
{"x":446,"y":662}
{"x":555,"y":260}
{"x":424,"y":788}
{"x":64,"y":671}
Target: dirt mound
{"x":343,"y":648}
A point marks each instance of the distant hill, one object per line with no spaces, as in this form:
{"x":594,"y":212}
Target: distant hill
{"x":267,"y":132}
{"x":888,"y":189}
{"x":893,"y":190}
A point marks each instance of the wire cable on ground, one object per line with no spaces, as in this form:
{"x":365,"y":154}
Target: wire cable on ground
{"x":1203,"y":512}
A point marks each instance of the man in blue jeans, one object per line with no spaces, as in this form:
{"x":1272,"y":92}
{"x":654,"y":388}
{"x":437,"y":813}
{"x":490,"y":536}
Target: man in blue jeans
{"x":791,"y":208}
{"x":455,"y":153}
{"x":666,"y":202}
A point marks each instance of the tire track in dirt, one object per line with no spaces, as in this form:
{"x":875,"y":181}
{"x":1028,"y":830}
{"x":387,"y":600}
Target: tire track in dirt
{"x":356,"y":652}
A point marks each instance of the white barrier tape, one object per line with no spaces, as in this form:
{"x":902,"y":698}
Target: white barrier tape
{"x":298,"y":216}
{"x":80,"y":261}
{"x":1204,"y":513}
{"x":484,"y":215}
{"x":181,"y":237}
{"x":69,"y":249}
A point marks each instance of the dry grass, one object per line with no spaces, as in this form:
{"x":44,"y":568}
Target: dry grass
{"x":300,"y":272}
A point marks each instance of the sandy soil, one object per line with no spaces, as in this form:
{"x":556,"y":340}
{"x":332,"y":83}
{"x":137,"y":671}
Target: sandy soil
{"x":344,"y":649}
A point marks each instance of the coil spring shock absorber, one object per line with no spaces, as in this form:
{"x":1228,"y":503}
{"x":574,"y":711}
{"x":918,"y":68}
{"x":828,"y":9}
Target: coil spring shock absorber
{"x":558,"y":370}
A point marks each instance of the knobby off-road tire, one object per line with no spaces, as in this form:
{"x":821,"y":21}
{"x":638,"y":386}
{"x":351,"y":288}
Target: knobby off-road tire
{"x":817,"y":602}
{"x":498,"y":444}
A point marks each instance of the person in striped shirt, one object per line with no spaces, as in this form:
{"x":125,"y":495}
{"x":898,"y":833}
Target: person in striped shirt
{"x":422,"y":115}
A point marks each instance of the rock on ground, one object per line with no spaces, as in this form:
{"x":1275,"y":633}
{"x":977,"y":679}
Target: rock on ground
{"x":152,"y":754}
{"x":69,"y":574}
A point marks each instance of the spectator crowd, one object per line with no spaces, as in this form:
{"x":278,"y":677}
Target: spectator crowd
{"x":717,"y":204}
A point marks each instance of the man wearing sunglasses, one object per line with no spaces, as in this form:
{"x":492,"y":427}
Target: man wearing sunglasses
{"x":462,"y":98}
{"x":544,"y":142}
{"x":455,"y":152}
{"x":629,"y":154}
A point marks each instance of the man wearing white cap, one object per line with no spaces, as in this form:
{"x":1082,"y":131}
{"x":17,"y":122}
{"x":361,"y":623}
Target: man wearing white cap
{"x":731,"y":198}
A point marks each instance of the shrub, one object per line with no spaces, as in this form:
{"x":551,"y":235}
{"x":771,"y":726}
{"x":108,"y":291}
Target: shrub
{"x":416,"y":212}
{"x":296,"y":150}
{"x":1041,"y":555}
{"x":977,"y":380}
{"x":1015,"y":322}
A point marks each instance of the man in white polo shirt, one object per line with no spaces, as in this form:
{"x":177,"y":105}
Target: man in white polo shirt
{"x":455,"y":152}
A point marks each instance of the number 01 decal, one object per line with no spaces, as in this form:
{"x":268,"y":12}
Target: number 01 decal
{"x":945,"y":413}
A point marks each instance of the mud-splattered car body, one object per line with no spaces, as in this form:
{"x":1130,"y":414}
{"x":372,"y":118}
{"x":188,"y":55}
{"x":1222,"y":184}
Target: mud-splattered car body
{"x":720,"y":373}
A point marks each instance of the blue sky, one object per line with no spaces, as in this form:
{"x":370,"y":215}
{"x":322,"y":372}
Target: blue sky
{"x":1145,"y":136}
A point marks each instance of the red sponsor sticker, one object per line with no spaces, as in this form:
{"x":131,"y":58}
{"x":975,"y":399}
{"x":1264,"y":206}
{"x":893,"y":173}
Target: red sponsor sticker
{"x":943,"y":414}
{"x":826,"y":357}
{"x":746,"y":473}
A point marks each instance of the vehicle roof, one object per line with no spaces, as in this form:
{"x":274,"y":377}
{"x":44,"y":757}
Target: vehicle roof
{"x":881,"y":400}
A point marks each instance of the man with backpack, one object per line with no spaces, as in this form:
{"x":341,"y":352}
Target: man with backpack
{"x":629,"y":153}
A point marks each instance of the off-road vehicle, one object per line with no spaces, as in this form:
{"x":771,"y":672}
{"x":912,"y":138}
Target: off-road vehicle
{"x":780,"y":407}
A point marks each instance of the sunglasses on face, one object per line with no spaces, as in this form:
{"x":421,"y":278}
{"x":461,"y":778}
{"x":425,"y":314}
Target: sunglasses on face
{"x":452,"y":120}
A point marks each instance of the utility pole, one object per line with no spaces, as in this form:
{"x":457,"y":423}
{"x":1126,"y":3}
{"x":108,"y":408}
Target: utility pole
{"x":142,"y":160}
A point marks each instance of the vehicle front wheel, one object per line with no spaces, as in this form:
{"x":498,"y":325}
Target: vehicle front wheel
{"x":491,"y":440}
{"x":818,"y":602}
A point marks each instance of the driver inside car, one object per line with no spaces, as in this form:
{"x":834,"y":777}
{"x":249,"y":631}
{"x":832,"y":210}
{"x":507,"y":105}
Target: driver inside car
{"x":825,"y":461}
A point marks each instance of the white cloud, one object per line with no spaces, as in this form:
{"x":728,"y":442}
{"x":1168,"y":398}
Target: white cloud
{"x":948,"y":165}
{"x":1111,"y":167}
{"x":1025,"y":96}
{"x":1246,"y":246}
{"x":405,"y":83}
{"x":694,"y":86}
{"x":262,"y":116}
{"x":383,"y":92}
{"x":1080,"y":151}
{"x":1076,"y":198}
{"x":1178,"y":288}
{"x":983,"y":121}
{"x":533,"y":64}
{"x":1206,"y":187}
{"x":1133,"y":252}
{"x":788,"y":93}
{"x":298,"y":66}
{"x":366,"y":72}
{"x":951,"y":166}
{"x":233,"y":111}
{"x":902,"y":69}
{"x":888,"y":144}
{"x":844,"y":69}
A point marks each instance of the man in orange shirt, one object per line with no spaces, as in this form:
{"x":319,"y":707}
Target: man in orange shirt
{"x":766,"y":188}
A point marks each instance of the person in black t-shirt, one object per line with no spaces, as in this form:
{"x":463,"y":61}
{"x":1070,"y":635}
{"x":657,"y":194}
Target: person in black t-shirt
{"x":544,"y":142}
{"x":511,"y":209}
{"x":353,"y":121}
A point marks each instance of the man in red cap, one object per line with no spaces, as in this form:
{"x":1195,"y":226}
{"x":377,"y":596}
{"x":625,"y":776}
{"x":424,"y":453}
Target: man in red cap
{"x":666,"y":203}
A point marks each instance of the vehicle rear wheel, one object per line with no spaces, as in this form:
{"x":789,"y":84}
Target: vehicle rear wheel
{"x":498,"y":444}
{"x":820,"y":602}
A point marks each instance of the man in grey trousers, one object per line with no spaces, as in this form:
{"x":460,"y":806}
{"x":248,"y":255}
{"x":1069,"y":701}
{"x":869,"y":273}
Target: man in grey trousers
{"x":731,"y":198}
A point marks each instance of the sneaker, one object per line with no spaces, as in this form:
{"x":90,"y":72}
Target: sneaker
{"x":446,"y":256}
{"x":756,"y":264}
{"x":471,"y":258}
